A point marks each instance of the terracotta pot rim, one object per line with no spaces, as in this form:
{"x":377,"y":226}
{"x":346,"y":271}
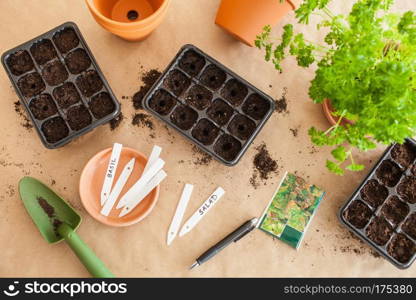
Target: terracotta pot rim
{"x":328,"y":110}
{"x":155,"y":14}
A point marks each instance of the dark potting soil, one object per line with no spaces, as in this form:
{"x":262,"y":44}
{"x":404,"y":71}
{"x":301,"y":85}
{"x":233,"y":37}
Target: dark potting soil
{"x":374,"y":193}
{"x":220,"y":112}
{"x":54,"y":73}
{"x":66,"y":40}
{"x":142,"y":120}
{"x":20,"y":62}
{"x":213,"y":77}
{"x":414,"y":170}
{"x":281,"y":104}
{"x":22,"y":114}
{"x":203,"y":158}
{"x":401,"y":248}
{"x":205,"y":132}
{"x":66,"y":95}
{"x":78,"y":117}
{"x":407,"y":189}
{"x":256,"y":106}
{"x":191,"y":62}
{"x":379,"y":231}
{"x":89,"y":83}
{"x":234,"y":91}
{"x":404,"y":154}
{"x":358,"y":214}
{"x":77,"y":61}
{"x":294,"y":131}
{"x":31,"y":84}
{"x":101,"y":105}
{"x":114,"y":123}
{"x":50,"y":212}
{"x":176,"y":82}
{"x":241,"y":127}
{"x":184,"y":117}
{"x":55,"y":129}
{"x":395,"y":210}
{"x":149,"y":78}
{"x":389,"y":173}
{"x":409,"y":225}
{"x":43,"y":51}
{"x":263,"y":163}
{"x":198,"y":97}
{"x":162,"y":102}
{"x":227,"y":147}
{"x":43,"y":107}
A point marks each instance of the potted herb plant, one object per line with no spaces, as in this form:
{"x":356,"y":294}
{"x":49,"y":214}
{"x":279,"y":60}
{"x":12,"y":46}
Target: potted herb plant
{"x":366,"y":71}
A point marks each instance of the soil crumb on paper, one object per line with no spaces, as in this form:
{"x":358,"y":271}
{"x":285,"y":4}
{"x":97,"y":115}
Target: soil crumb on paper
{"x":22,"y":114}
{"x":281,"y":104}
{"x":263,"y":165}
{"x":148,"y":78}
{"x":114,"y":123}
{"x":142,"y":120}
{"x":202,"y":159}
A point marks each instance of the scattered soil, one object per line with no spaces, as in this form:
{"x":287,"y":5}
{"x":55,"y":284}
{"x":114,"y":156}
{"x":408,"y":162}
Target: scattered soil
{"x":389,"y":173}
{"x":114,"y":123}
{"x":281,"y":104}
{"x":149,"y":78}
{"x":22,"y":114}
{"x":43,"y":107}
{"x":199,"y":97}
{"x":102,"y":105}
{"x":50,"y":211}
{"x":379,"y":231}
{"x":77,"y":61}
{"x":213,"y":77}
{"x":220,"y":112}
{"x":20,"y":62}
{"x":409,"y":226}
{"x":66,"y":95}
{"x":404,"y":154}
{"x":43,"y":51}
{"x":78,"y":117}
{"x":374,"y":193}
{"x":184,"y":117}
{"x":241,"y":127}
{"x":294,"y":131}
{"x":89,"y":83}
{"x":234,"y":91}
{"x":407,"y":189}
{"x":54,"y":73}
{"x":55,"y":129}
{"x":177,"y":82}
{"x":401,"y":248}
{"x":142,"y":120}
{"x":256,"y":106}
{"x":203,"y":158}
{"x":162,"y":102}
{"x":205,"y":132}
{"x":191,"y":62}
{"x":358,"y":214}
{"x":227,"y":147}
{"x":31,"y":84}
{"x":395,"y":210}
{"x":263,"y":162}
{"x":66,"y":40}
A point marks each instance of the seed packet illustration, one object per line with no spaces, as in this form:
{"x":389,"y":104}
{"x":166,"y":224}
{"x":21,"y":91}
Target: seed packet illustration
{"x":291,"y":210}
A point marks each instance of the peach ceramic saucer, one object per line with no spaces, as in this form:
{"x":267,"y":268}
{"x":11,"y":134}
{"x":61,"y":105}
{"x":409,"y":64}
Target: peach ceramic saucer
{"x":91,"y":181}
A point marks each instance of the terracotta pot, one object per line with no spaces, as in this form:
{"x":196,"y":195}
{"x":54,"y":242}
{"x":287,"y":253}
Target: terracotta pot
{"x":328,"y":112}
{"x":132,"y":20}
{"x":245,"y":19}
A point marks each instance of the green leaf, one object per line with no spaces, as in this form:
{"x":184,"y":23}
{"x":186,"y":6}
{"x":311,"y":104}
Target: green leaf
{"x":340,"y":153}
{"x":334,"y":168}
{"x":355,"y":167}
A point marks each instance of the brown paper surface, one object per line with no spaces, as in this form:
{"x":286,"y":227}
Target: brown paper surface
{"x":141,"y":250}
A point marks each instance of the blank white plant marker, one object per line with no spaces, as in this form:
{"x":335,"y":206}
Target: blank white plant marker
{"x":110,"y":172}
{"x":153,"y":157}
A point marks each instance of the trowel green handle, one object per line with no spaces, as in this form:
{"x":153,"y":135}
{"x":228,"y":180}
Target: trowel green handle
{"x":88,"y":258}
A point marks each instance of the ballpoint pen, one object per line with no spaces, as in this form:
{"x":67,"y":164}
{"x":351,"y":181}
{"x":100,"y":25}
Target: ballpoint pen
{"x":232,"y":237}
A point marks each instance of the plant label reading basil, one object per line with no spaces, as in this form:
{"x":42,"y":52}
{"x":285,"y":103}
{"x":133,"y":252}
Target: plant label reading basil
{"x":109,"y":174}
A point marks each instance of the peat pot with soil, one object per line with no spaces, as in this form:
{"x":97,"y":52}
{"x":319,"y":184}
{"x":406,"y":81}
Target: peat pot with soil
{"x":60,"y":85}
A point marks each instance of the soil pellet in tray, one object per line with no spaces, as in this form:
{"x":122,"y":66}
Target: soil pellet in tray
{"x":177,"y":82}
{"x":54,"y":73}
{"x":43,"y":51}
{"x":374,"y":193}
{"x":205,"y":132}
{"x":389,"y":173}
{"x":394,"y":210}
{"x":20,"y":62}
{"x":162,"y":102}
{"x":149,"y":78}
{"x":242,"y":127}
{"x":55,"y":129}
{"x":404,"y":154}
{"x":256,"y":106}
{"x":227,"y":147}
{"x":409,"y":226}
{"x":31,"y":84}
{"x":66,"y":95}
{"x":379,"y":231}
{"x":213,"y":77}
{"x":358,"y":214}
{"x":401,"y":248}
{"x":220,"y":112}
{"x":407,"y":189}
{"x":198,"y":97}
{"x":101,"y":105}
{"x":89,"y":83}
{"x":43,"y":107}
{"x":191,"y":62}
{"x":78,"y":117}
{"x":66,"y":40}
{"x":184,"y":117}
{"x":234,"y":91}
{"x":77,"y":61}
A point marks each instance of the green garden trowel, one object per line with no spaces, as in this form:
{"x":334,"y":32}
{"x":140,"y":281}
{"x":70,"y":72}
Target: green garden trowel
{"x":56,"y":220}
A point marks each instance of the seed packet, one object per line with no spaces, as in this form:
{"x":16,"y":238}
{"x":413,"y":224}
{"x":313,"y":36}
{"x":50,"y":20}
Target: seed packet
{"x":291,"y":210}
